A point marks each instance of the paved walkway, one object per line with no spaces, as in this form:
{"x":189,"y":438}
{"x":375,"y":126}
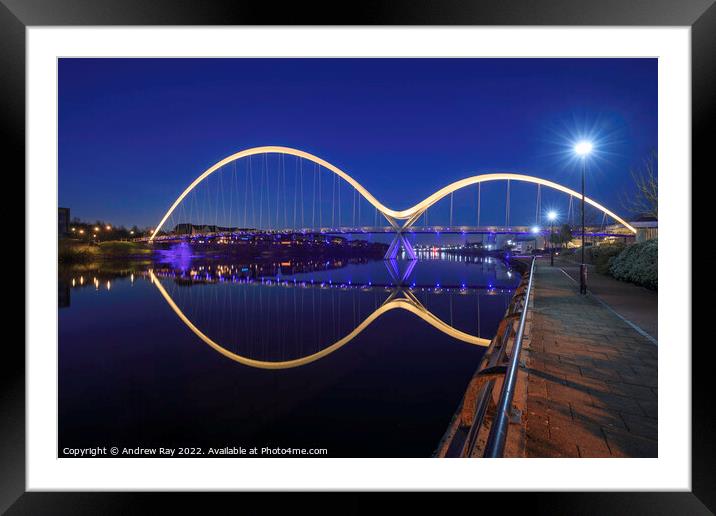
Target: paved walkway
{"x":591,"y":378}
{"x":636,"y":304}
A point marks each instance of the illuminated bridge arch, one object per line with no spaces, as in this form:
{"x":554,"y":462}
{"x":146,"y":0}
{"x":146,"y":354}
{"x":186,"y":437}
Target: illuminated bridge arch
{"x":410,"y":215}
{"x":409,"y":303}
{"x":413,"y":213}
{"x":272,"y":149}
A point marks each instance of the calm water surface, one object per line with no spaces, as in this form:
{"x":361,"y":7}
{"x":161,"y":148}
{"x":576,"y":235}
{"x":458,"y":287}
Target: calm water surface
{"x":364,"y":359}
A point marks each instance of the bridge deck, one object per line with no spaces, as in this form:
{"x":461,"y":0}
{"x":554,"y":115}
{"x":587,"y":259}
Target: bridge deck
{"x":591,"y":378}
{"x":414,"y":230}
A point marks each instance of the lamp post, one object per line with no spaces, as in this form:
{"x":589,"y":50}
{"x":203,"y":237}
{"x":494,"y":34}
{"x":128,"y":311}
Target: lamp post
{"x":583,"y":149}
{"x":551,"y":216}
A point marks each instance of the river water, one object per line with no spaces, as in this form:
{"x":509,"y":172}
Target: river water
{"x":362,"y":359}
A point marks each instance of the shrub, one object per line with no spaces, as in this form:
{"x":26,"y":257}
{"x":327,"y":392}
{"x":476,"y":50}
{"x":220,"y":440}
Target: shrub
{"x":601,"y":256}
{"x":638,"y":264}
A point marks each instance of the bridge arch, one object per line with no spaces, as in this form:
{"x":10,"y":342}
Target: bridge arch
{"x":414,"y":212}
{"x":410,"y":215}
{"x":274,"y":149}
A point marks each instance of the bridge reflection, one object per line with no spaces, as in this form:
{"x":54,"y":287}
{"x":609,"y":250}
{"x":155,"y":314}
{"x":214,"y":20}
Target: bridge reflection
{"x":276,"y":323}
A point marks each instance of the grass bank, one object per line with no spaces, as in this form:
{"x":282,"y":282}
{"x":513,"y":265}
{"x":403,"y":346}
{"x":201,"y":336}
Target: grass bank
{"x":76,"y":252}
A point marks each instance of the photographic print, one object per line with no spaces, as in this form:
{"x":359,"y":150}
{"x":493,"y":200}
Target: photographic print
{"x":357,"y":257}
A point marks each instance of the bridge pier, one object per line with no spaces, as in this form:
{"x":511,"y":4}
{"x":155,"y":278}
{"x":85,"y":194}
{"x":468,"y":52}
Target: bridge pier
{"x":398,"y":242}
{"x":400,"y":278}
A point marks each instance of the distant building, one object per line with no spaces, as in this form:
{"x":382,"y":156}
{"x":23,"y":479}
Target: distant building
{"x":617,"y":229}
{"x":646,"y":228}
{"x":196,"y":229}
{"x":63,"y":222}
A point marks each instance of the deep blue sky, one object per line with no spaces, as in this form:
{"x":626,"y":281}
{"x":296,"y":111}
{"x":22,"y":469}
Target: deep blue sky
{"x":134,"y":132}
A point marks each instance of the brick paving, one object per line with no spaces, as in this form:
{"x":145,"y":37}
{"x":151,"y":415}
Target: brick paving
{"x":591,"y":378}
{"x":638,"y":304}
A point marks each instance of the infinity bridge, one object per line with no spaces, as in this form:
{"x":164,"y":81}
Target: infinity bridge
{"x":272,"y":199}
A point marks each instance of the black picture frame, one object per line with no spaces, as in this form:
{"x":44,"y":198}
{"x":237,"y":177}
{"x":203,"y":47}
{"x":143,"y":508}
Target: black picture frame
{"x":17,"y":15}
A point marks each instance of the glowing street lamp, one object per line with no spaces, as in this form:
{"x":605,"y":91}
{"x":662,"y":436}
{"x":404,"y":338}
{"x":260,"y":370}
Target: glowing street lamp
{"x":583,"y":149}
{"x":108,"y":227}
{"x":551,"y":216}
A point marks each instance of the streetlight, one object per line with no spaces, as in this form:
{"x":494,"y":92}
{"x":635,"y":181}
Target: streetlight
{"x":551,"y":216}
{"x":583,"y":149}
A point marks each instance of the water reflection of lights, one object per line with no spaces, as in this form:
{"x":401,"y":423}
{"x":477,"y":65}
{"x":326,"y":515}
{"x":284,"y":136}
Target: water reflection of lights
{"x":295,"y":283}
{"x":408,"y":302}
{"x":400,"y":296}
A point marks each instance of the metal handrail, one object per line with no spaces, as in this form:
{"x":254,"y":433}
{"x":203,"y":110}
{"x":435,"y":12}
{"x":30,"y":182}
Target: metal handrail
{"x":464,"y":431}
{"x":498,"y":432}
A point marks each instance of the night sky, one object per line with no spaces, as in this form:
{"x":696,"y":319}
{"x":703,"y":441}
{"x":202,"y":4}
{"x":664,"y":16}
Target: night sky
{"x":133,"y":133}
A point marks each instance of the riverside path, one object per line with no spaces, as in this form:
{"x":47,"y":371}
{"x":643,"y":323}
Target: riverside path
{"x":591,"y":376}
